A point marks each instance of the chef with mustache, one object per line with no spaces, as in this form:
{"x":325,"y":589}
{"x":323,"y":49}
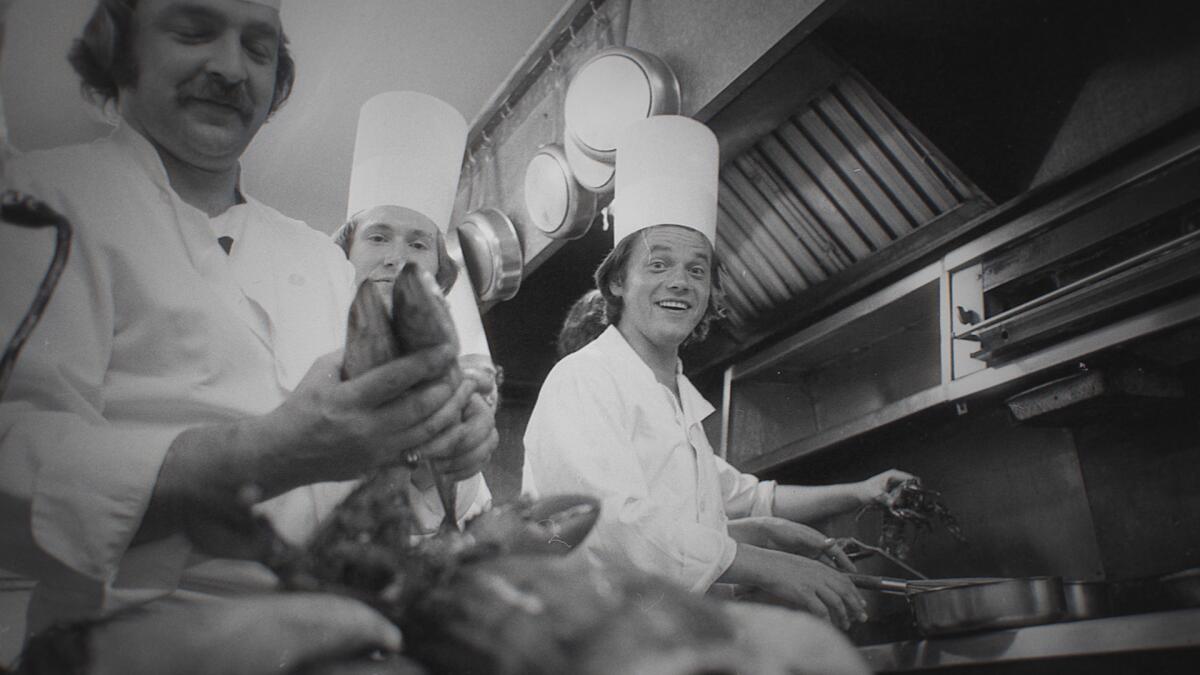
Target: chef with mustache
{"x":188,"y":363}
{"x":617,"y":419}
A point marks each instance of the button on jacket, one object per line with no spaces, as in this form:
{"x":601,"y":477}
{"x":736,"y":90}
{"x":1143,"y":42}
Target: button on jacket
{"x":604,"y":426}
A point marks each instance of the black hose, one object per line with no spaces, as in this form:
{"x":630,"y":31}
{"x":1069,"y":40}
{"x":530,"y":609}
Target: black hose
{"x":24,"y":211}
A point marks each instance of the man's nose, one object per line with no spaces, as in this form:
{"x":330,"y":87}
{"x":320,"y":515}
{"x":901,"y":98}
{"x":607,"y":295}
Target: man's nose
{"x":678,"y":279}
{"x":227,"y":60}
{"x":394,"y":259}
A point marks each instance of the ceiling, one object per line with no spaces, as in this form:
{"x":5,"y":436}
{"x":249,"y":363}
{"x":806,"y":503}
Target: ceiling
{"x":458,"y":50}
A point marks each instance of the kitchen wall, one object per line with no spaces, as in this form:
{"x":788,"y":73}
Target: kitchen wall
{"x":1141,"y":476}
{"x":1109,"y":496}
{"x":1017,"y":492}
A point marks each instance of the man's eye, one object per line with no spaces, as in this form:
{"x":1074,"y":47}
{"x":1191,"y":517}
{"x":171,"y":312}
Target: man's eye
{"x":190,"y":31}
{"x":420,"y":245}
{"x":376,"y":238}
{"x":699,"y":271}
{"x":191,"y":34}
{"x":657,"y":265}
{"x":261,"y":51}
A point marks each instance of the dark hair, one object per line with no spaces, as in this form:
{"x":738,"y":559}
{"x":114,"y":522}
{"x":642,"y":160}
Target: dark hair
{"x":614,"y":267}
{"x":447,"y":271}
{"x":585,"y":322}
{"x":103,"y":55}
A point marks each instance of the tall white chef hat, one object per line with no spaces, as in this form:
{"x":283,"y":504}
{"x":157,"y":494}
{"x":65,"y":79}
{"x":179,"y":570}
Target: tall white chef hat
{"x":666,"y":175}
{"x":408,"y":152}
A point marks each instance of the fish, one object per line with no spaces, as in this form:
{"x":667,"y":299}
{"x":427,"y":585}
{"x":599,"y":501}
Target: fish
{"x":421,"y":319}
{"x":370,"y":339}
{"x":378,"y":331}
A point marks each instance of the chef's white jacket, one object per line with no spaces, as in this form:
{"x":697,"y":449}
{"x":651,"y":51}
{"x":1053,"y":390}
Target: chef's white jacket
{"x":604,"y":426}
{"x":152,"y":329}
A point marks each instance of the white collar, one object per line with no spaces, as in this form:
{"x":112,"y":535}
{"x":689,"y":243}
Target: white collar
{"x":632,"y":369}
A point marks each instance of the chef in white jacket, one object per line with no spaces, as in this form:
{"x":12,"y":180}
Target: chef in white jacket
{"x":407,"y":160}
{"x":619,"y":420}
{"x":189,"y":349}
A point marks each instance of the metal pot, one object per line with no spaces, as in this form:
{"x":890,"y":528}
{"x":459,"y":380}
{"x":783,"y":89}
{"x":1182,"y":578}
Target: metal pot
{"x":617,"y":86}
{"x":593,"y":174}
{"x":1086,"y":599}
{"x":492,"y":253}
{"x":948,"y":606}
{"x":553,"y":200}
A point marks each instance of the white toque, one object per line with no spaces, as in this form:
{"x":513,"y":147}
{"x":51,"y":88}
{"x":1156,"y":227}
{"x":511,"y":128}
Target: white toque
{"x":408,"y":152}
{"x":666,"y":175}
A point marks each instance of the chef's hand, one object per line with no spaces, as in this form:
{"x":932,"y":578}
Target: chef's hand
{"x":480,"y":369}
{"x":797,"y":581}
{"x":327,"y":430}
{"x":875,"y":489}
{"x":334,"y":430}
{"x":244,"y":636}
{"x":780,"y":534}
{"x":476,"y":443}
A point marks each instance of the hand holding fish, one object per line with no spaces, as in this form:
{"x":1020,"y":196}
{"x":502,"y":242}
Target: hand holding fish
{"x":339,"y":430}
{"x":372,"y":406}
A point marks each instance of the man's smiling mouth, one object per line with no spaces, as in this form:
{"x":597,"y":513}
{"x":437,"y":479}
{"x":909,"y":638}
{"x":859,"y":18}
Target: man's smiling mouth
{"x":677,"y":305}
{"x":229,"y":107}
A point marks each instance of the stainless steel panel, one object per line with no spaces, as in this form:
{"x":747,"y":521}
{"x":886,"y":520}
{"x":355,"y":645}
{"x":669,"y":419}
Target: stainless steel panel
{"x":741,"y":271}
{"x":749,"y":243}
{"x":859,"y":142}
{"x":825,"y":173}
{"x":798,"y":258}
{"x":839,"y":251}
{"x":898,"y":144}
{"x":837,"y":182}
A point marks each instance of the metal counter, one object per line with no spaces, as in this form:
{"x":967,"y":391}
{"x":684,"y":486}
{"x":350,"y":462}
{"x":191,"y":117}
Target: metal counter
{"x":1131,"y":633}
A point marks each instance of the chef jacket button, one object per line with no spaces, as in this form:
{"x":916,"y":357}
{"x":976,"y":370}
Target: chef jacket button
{"x":296,"y":280}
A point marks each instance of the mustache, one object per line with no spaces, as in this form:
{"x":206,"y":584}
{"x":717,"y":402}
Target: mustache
{"x":212,"y":90}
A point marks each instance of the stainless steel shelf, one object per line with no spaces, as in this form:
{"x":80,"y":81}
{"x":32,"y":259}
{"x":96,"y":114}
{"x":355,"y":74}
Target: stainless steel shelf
{"x":1132,"y":633}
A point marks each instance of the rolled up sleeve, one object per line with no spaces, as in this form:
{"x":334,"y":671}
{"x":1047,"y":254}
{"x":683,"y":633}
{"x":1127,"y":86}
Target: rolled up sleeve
{"x":744,"y":494}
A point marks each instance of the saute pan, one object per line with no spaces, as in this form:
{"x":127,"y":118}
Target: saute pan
{"x":947,"y":606}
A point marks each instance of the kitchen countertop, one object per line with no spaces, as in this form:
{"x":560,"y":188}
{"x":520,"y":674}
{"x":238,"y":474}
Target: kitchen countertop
{"x":1135,"y":632}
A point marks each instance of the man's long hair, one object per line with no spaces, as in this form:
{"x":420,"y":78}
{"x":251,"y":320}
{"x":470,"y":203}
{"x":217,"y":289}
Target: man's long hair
{"x":103,"y":55}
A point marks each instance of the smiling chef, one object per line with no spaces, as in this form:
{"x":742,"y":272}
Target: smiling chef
{"x":619,"y":420}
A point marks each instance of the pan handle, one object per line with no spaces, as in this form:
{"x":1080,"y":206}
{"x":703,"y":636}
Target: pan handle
{"x":881,"y":584}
